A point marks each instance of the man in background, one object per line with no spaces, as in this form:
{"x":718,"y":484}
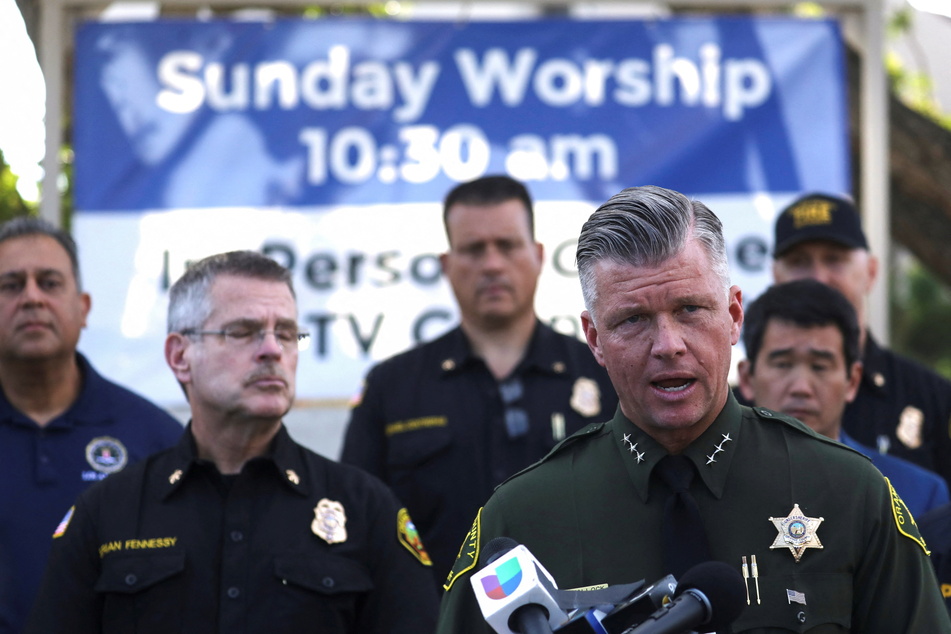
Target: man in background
{"x":447,"y":421}
{"x":62,"y":425}
{"x":901,"y":408}
{"x":237,"y":528}
{"x":802,"y":347}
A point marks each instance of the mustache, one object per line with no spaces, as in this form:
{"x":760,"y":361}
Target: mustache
{"x":267,"y":372}
{"x":485,"y":283}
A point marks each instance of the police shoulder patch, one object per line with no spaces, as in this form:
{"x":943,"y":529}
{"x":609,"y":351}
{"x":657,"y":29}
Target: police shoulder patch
{"x":468,"y":553}
{"x":903,"y":520}
{"x":409,"y":537}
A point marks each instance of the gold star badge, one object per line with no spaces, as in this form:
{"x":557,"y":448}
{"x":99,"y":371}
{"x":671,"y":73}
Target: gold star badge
{"x":796,"y":532}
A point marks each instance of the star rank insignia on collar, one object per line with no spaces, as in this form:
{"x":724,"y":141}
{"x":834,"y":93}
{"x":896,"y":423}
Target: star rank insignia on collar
{"x":718,"y":448}
{"x":632,"y":447}
{"x":796,"y":532}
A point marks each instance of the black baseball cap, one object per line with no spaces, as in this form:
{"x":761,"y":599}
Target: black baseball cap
{"x":819,"y":217}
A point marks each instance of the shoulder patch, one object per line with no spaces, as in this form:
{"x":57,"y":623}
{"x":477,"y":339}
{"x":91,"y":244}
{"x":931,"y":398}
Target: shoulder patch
{"x":468,"y":553}
{"x":64,"y":523}
{"x":904,"y":521}
{"x":408,"y":535}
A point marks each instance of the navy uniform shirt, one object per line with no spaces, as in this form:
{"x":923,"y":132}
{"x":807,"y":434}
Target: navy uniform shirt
{"x":936,"y":529}
{"x":294,"y":543}
{"x":432,"y":425}
{"x":920,"y":489}
{"x":902,"y":408}
{"x":592,"y":513}
{"x":43,"y":469}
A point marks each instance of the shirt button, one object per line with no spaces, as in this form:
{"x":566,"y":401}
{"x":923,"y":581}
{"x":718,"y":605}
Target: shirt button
{"x":237,"y":536}
{"x":233,"y":592}
{"x":131,"y":579}
{"x":329,"y":582}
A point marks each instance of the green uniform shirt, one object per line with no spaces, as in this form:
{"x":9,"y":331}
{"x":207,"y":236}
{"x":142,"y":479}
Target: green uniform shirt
{"x":592,"y":514}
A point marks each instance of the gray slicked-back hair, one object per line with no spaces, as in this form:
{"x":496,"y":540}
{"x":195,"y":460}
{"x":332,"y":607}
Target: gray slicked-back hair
{"x":25,"y":226}
{"x":646,"y":226}
{"x":189,"y":304}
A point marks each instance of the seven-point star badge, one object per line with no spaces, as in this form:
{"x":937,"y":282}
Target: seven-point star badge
{"x":796,"y":532}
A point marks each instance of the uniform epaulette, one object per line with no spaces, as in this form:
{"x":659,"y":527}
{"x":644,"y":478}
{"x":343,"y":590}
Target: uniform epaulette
{"x":798,"y":425}
{"x":582,"y":434}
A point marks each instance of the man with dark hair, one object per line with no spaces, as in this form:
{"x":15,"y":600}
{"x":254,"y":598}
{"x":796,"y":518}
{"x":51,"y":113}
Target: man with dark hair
{"x":683,"y":474}
{"x":447,"y":421}
{"x":802,"y":347}
{"x":62,"y":425}
{"x":901,"y":408}
{"x":237,"y":528}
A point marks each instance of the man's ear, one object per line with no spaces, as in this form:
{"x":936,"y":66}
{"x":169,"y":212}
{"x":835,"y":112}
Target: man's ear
{"x":872,"y":272}
{"x":176,"y":345}
{"x":746,"y":379}
{"x":591,"y":336}
{"x":855,"y":378}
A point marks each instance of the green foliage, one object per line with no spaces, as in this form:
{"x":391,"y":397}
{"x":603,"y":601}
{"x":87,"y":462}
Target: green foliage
{"x":915,"y":89}
{"x":921,"y":314}
{"x":11,"y":203}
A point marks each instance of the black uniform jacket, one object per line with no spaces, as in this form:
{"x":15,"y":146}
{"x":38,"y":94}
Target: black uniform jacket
{"x":168,"y":546}
{"x":903,"y":408}
{"x":431,"y":424}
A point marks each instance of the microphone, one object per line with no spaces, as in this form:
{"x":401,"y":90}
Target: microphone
{"x":514,"y":591}
{"x":603,"y":614}
{"x":711,"y":594}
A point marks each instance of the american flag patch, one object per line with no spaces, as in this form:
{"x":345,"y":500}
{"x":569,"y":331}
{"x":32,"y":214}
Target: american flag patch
{"x":61,"y":529}
{"x":798,"y":597}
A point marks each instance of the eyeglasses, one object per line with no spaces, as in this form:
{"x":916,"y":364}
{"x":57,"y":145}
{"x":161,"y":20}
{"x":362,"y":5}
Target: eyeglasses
{"x":242,"y":337}
{"x":516,"y":418}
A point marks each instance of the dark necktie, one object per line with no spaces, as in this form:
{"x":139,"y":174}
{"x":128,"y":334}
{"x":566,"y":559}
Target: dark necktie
{"x":685,"y":540}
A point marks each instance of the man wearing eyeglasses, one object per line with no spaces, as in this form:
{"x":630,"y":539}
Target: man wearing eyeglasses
{"x":444,"y":423}
{"x":238,"y":528}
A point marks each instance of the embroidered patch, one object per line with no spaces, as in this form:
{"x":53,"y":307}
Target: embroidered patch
{"x":64,"y":523}
{"x":409,"y":537}
{"x":468,"y":553}
{"x":904,"y":521}
{"x":106,"y":454}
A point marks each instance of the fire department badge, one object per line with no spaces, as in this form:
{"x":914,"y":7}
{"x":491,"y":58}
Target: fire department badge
{"x":330,"y":522}
{"x":586,"y":397}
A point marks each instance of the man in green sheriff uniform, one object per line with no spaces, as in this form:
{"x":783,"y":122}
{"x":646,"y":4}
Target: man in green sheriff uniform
{"x":834,"y":547}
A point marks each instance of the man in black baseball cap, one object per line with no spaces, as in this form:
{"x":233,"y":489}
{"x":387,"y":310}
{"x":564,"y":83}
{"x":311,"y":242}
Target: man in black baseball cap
{"x":819,"y":217}
{"x":902,"y":407}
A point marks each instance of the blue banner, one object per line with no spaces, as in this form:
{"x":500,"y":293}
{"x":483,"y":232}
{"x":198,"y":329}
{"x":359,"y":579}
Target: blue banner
{"x":330,"y":144}
{"x":301,"y":113}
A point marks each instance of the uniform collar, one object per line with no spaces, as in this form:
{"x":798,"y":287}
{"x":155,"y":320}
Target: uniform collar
{"x":712,"y":453}
{"x":89,"y":408}
{"x":283,"y":456}
{"x":545,"y":353}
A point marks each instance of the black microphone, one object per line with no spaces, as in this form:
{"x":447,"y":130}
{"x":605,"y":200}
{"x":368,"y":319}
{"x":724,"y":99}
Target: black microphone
{"x":709,"y":594}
